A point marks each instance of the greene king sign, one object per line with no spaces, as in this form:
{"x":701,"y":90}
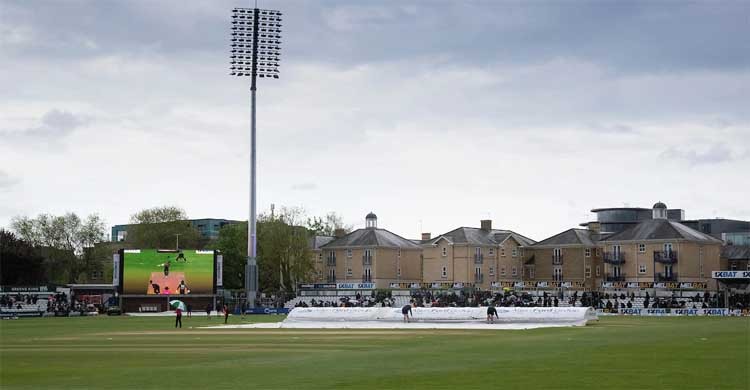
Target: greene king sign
{"x":730,"y":274}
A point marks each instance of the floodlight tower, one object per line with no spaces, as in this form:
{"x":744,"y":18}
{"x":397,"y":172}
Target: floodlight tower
{"x":256,"y":40}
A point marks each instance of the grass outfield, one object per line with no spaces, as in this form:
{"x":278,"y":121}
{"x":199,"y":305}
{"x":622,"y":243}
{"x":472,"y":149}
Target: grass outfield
{"x":147,"y":353}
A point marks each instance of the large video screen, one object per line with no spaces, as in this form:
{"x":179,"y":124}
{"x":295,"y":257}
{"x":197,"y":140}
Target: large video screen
{"x":167,"y":272}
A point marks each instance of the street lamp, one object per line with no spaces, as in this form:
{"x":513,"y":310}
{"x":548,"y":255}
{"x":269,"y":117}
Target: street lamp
{"x":256,"y":48}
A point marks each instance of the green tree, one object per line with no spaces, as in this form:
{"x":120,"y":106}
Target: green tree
{"x":67,"y":243}
{"x":160,"y":227}
{"x":328,"y":224}
{"x":20,"y":262}
{"x":232,"y":243}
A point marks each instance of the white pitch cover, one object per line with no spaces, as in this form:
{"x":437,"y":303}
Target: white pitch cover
{"x":219,"y":270}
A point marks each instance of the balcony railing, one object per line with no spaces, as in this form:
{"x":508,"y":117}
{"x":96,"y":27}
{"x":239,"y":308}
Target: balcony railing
{"x":478,"y":258}
{"x":557,"y":259}
{"x":664,"y":277}
{"x":614,"y":278}
{"x":478,"y":278}
{"x":668,"y":257}
{"x":331,"y":260}
{"x":614,"y":258}
{"x":367,"y":260}
{"x":366,"y":278}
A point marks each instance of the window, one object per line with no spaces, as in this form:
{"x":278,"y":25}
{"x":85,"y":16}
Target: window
{"x":445,"y":251}
{"x":502,"y":271}
{"x":587,"y":252}
{"x":399,"y":272}
{"x":642,"y":248}
{"x":349,"y":253}
{"x":642,"y":268}
{"x":520,"y":252}
{"x":332,"y":274}
{"x":616,"y":249}
{"x":704,"y":275}
{"x":733,"y":266}
{"x":444,"y":272}
{"x":399,"y":252}
{"x":587,"y":272}
{"x":492,"y":271}
{"x":477,"y":251}
{"x":320,"y":256}
{"x":598,"y":271}
{"x":706,"y":228}
{"x":492,"y":251}
{"x":514,"y":271}
{"x":122,"y":235}
{"x":532,"y":272}
{"x":348,"y":272}
{"x":748,"y":267}
{"x":502,"y":251}
{"x":668,"y":248}
{"x":514,"y":252}
{"x":557,"y":273}
{"x":367,"y":275}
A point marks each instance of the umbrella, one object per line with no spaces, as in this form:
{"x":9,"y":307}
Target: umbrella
{"x":177,"y":304}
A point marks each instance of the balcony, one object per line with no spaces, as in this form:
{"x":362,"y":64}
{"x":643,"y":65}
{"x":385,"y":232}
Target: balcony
{"x":669,"y":257}
{"x":616,"y":258}
{"x":331,"y":261}
{"x":478,"y":258}
{"x":367,"y":260}
{"x":614,"y":278}
{"x":366,"y":278}
{"x":665,"y":277}
{"x":557,"y":259}
{"x":478,"y":278}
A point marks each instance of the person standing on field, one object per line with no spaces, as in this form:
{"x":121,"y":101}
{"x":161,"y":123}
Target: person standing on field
{"x":226,"y":313}
{"x":178,"y":318}
{"x":491,"y":314}
{"x":406,"y":310}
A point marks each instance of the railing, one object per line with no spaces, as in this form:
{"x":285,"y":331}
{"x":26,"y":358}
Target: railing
{"x":664,"y":277}
{"x":366,"y":278}
{"x":367,"y":260}
{"x":614,"y":257}
{"x":614,"y":278}
{"x":478,"y":278}
{"x":557,"y":259}
{"x":331,"y":260}
{"x":478,"y":258}
{"x":668,"y":257}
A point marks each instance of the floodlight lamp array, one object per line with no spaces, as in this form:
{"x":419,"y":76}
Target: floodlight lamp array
{"x":256,"y":40}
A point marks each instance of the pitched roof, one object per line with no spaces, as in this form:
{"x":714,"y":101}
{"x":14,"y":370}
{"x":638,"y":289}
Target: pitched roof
{"x":477,"y":236}
{"x":372,"y":237}
{"x":583,"y":237}
{"x":735,"y":252}
{"x":661,"y":229}
{"x":316,"y":242}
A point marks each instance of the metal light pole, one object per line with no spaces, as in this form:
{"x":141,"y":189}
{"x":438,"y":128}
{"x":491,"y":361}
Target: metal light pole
{"x":256,"y":35}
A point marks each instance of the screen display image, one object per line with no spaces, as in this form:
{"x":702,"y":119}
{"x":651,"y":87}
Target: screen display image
{"x":167,"y":272}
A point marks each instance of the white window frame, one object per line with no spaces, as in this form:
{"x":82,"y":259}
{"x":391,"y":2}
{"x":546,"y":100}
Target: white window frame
{"x":399,"y":272}
{"x":399,"y":253}
{"x":514,"y":271}
{"x":349,"y":253}
{"x":514,"y":252}
{"x":492,"y":251}
{"x":367,"y":273}
{"x":492,"y":271}
{"x":587,"y":252}
{"x":557,"y":270}
{"x":444,"y":272}
{"x":502,"y":271}
{"x":445,"y":251}
{"x":502,"y":251}
{"x":478,"y":251}
{"x":587,"y":272}
{"x":641,"y":269}
{"x":349,"y":272}
{"x":641,"y":248}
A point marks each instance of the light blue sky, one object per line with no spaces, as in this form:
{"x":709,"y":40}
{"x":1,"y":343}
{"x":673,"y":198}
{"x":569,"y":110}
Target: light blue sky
{"x":432,"y":114}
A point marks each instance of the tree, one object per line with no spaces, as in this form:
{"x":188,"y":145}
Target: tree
{"x":160,"y":227}
{"x":284,"y":257}
{"x":66,"y":242}
{"x":328,"y":224}
{"x":20,"y":262}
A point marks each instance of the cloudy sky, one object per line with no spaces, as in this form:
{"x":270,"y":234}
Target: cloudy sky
{"x":431,"y":114}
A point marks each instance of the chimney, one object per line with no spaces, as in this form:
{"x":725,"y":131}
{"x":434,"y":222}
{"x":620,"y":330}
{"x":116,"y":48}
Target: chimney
{"x":338,"y":233}
{"x":426,"y":236}
{"x":486,"y":224}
